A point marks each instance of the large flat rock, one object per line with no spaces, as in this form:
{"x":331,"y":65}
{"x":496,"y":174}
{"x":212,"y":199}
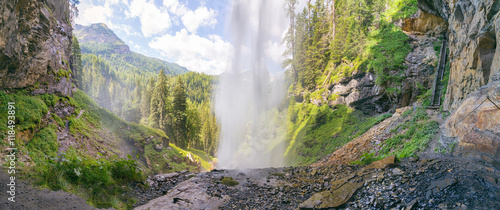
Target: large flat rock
{"x":189,"y":194}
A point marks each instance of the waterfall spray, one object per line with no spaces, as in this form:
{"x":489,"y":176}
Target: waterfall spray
{"x":246,"y":95}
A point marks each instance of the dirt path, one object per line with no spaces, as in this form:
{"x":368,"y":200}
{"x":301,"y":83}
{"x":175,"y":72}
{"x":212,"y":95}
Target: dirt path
{"x":29,"y":197}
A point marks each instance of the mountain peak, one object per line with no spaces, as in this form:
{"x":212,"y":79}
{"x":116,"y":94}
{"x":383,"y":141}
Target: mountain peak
{"x":102,"y":37}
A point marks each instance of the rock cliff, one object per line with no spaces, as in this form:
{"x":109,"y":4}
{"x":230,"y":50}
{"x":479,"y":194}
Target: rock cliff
{"x":473,"y":34}
{"x":473,"y":28}
{"x":35,"y":40}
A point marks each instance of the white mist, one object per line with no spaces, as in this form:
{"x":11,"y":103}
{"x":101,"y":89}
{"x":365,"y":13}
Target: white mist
{"x":252,"y":133}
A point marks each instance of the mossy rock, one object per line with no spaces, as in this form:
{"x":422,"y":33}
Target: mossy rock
{"x":229,"y":181}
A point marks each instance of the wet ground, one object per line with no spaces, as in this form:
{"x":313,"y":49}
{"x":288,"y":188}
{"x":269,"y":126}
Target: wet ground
{"x":439,"y":183}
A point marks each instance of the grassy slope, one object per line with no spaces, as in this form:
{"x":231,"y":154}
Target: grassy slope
{"x":84,"y":166}
{"x":314,"y":132}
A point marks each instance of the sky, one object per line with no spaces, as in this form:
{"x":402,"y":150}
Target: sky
{"x":193,"y":34}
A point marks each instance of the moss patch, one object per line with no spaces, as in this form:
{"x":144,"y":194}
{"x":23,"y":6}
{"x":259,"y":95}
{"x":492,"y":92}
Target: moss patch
{"x":229,"y":181}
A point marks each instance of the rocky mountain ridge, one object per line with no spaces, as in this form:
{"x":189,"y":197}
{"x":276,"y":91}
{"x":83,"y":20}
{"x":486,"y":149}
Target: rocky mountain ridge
{"x":100,"y":40}
{"x":100,"y":34}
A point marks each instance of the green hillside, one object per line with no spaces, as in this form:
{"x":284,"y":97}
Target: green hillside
{"x":89,"y":151}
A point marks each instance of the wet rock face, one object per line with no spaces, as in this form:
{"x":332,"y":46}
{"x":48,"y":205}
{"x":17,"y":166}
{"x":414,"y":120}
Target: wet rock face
{"x":421,"y":63}
{"x":473,"y":32}
{"x":476,"y":129}
{"x":35,"y":40}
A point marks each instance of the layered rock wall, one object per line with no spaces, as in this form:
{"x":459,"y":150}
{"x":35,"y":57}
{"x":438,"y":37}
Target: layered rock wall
{"x":35,"y":40}
{"x":474,"y":43}
{"x":473,"y":30}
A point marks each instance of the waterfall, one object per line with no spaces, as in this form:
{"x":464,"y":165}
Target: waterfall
{"x":246,"y":96}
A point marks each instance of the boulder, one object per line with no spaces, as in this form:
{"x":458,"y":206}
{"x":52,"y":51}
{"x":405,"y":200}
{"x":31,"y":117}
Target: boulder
{"x":425,"y":23}
{"x":164,"y":177}
{"x":189,"y":194}
{"x":386,"y":162}
{"x":159,"y":147}
{"x":360,"y":92}
{"x":332,"y":198}
{"x":476,"y":129}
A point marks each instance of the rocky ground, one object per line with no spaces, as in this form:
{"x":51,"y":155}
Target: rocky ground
{"x":437,"y":183}
{"x":411,"y":183}
{"x":29,"y":197}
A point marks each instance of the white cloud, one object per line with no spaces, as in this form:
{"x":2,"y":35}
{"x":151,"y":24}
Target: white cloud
{"x":175,"y":7}
{"x":209,"y":55}
{"x":90,"y":13}
{"x":202,"y":16}
{"x":154,"y":20}
{"x":128,"y":30}
{"x":274,"y":51}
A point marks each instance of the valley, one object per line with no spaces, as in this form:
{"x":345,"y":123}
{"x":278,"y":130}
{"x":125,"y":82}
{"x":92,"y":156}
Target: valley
{"x":378,"y":105}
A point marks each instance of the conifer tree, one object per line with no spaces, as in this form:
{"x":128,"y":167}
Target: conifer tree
{"x":289,"y":40}
{"x":76,"y":63}
{"x":146,"y":101}
{"x":159,"y":104}
{"x":179,"y":112}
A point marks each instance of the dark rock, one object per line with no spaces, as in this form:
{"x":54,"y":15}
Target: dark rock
{"x":411,"y":205}
{"x":159,"y":147}
{"x":331,"y":199}
{"x":439,"y":185}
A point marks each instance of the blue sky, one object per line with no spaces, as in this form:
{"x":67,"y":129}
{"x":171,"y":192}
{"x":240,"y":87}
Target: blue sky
{"x":194,"y":34}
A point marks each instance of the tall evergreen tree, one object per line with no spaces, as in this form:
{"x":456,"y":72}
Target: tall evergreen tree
{"x":76,"y":63}
{"x":289,"y":39}
{"x":179,"y":112}
{"x":146,"y":101}
{"x":158,"y":117}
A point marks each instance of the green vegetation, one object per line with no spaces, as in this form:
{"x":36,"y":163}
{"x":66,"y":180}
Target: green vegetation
{"x":278,"y":174}
{"x":29,"y":111}
{"x":100,"y":181}
{"x":387,"y":50}
{"x":165,"y":160}
{"x":360,"y":37}
{"x":179,"y":106}
{"x":413,"y":135}
{"x":330,"y":40}
{"x":314,"y":132}
{"x":366,"y":159}
{"x":229,"y":181}
{"x":43,"y":144}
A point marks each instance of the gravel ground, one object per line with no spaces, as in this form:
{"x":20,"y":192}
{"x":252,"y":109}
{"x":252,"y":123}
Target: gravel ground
{"x":29,"y":197}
